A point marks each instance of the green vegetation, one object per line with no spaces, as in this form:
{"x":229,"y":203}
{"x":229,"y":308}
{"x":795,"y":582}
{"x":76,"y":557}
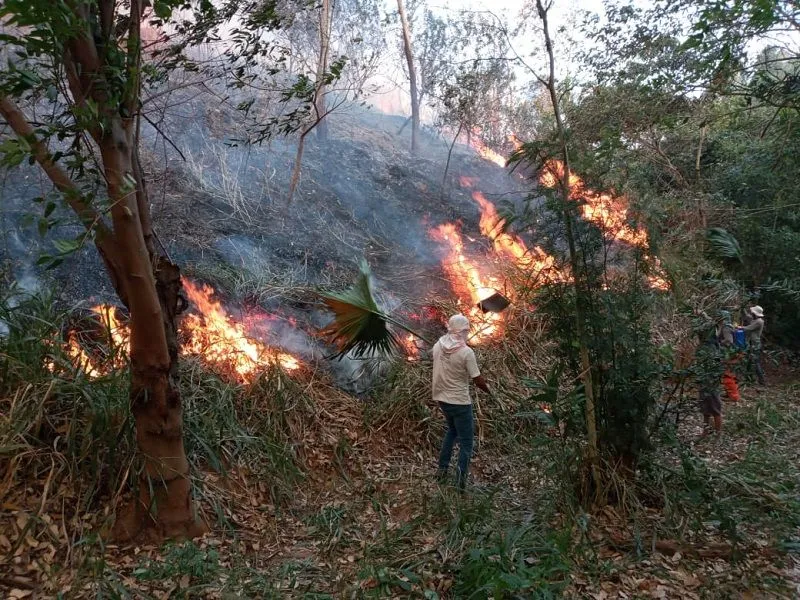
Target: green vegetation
{"x":648,"y":195}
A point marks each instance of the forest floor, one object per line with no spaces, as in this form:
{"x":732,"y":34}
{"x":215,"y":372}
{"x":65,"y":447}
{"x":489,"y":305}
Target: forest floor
{"x":368,"y":520}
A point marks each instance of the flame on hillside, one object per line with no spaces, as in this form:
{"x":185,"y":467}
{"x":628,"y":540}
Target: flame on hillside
{"x":468,"y":283}
{"x":220,"y":341}
{"x":510,"y":246}
{"x":209,"y":333}
{"x":484,"y":151}
{"x":608,"y":212}
{"x":411,"y":348}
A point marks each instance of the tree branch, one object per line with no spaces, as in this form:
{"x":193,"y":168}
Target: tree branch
{"x":104,"y":238}
{"x":63,"y":182}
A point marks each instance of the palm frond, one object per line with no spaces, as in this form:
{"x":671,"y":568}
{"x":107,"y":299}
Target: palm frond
{"x":359,"y":325}
{"x":722,"y":244}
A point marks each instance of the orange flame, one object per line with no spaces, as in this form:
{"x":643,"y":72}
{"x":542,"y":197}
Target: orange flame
{"x":467,"y":283}
{"x":484,"y":151}
{"x":511,"y":246}
{"x":213,"y":335}
{"x":210,"y":333}
{"x":80,"y":358}
{"x":609,"y":213}
{"x":410,"y":346}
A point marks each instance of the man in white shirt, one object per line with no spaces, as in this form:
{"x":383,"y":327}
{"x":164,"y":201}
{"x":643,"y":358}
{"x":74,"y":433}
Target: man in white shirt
{"x":454,"y":365}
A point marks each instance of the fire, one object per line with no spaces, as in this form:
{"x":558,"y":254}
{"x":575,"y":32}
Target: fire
{"x":210,"y":333}
{"x":604,"y":210}
{"x":410,"y":345}
{"x":609,"y":213}
{"x":510,"y":246}
{"x":79,"y":357}
{"x":484,"y":151}
{"x":222,"y":342}
{"x":468,"y":283}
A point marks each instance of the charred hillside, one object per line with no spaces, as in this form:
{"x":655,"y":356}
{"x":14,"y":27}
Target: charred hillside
{"x":220,"y":210}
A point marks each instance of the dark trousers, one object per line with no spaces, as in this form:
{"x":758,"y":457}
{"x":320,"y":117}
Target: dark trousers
{"x":755,"y":362}
{"x":459,"y":426}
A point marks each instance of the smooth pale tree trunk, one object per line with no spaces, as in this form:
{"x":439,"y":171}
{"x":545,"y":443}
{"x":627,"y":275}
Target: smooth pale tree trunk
{"x":580,"y":327}
{"x":322,"y":66}
{"x":298,"y":164}
{"x":412,"y":75}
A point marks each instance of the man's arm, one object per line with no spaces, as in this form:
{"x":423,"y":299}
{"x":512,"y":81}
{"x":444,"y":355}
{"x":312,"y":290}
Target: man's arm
{"x":481,"y":384}
{"x":752,"y":327}
{"x":474,"y":373}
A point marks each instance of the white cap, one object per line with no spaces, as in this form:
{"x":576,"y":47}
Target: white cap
{"x":757,"y":311}
{"x":457,"y":324}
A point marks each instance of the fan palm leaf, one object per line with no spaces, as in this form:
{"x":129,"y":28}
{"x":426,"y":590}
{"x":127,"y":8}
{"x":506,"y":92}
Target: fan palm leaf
{"x":359,"y":326}
{"x":723,"y":244}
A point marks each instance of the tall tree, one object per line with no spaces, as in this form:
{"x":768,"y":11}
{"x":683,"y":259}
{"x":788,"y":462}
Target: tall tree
{"x":568,"y":208}
{"x":86,"y":60}
{"x":315,"y":61}
{"x":412,"y":74}
{"x":322,"y":66}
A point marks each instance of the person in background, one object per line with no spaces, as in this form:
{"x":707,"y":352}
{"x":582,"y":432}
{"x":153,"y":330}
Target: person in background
{"x":753,"y":330}
{"x":708,"y":370}
{"x":729,"y":354}
{"x":454,"y":365}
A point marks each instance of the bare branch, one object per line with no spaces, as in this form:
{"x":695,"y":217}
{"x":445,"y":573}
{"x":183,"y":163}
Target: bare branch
{"x":60,"y":178}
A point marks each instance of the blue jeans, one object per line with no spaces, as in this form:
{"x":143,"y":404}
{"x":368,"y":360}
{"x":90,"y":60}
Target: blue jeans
{"x":459,"y":425}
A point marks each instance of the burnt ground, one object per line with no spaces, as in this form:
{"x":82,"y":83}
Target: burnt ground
{"x":220,"y":211}
{"x":361,"y":194}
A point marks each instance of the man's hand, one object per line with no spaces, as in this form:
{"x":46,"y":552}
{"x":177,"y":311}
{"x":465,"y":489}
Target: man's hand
{"x":481,"y":384}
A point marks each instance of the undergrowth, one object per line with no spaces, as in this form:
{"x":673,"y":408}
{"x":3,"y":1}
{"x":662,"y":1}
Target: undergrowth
{"x":521,"y":533}
{"x":68,"y":431}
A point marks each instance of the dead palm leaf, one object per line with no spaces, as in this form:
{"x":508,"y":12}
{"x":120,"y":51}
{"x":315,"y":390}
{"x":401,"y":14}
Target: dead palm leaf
{"x":359,"y":325}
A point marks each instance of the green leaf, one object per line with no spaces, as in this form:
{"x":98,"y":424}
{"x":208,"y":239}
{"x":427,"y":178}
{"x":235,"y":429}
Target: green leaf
{"x":54,"y":263}
{"x":723,"y":244}
{"x":13,"y":151}
{"x":358,"y":323}
{"x":162,"y":9}
{"x":67,"y":246}
{"x":43,"y":226}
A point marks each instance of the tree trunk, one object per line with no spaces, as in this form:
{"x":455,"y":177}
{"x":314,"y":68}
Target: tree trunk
{"x":580,"y":327}
{"x":412,"y":76}
{"x":164,"y":501}
{"x":322,"y":67}
{"x":149,"y":287}
{"x":403,"y":126}
{"x":298,"y":162}
{"x":449,"y":154}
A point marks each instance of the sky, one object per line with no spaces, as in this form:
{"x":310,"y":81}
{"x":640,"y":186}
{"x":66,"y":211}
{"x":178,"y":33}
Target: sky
{"x":393,"y":96}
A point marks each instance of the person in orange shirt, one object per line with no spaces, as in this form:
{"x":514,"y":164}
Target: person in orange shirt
{"x":725,"y":338}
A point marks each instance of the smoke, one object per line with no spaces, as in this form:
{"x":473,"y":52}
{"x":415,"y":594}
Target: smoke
{"x":361,"y":194}
{"x":241,"y":251}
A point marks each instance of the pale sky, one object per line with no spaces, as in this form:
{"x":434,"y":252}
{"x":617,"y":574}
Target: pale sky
{"x":394,"y":97}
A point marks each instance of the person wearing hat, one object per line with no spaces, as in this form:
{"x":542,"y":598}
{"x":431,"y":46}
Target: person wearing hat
{"x":454,"y":365}
{"x":753,"y":332}
{"x":708,"y":370}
